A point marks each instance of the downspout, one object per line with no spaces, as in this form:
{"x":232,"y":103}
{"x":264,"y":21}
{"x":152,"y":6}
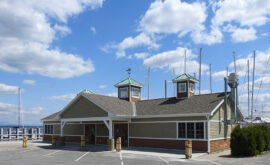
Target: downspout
{"x":226,"y":108}
{"x":208,"y":134}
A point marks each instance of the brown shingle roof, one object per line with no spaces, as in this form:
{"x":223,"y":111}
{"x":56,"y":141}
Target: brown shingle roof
{"x":113,"y":104}
{"x":52,"y":116}
{"x":204,"y":103}
{"x":196,"y":104}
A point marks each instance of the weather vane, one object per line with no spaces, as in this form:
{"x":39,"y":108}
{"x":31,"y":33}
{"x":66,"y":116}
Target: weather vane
{"x":129,"y":71}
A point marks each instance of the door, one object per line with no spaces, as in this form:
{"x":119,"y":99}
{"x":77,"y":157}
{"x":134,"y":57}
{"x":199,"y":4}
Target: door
{"x":90,"y":134}
{"x":121,"y":130}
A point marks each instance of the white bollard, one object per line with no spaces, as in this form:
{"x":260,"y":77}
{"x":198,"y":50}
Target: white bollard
{"x":32,"y":133}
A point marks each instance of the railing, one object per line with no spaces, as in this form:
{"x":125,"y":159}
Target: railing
{"x":18,"y":133}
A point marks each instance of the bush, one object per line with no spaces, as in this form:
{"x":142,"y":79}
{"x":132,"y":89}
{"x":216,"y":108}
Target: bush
{"x":250,"y":141}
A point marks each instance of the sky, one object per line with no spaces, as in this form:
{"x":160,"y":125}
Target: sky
{"x":53,"y":50}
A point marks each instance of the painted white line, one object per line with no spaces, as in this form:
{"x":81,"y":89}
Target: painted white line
{"x":31,"y":149}
{"x":49,"y":154}
{"x":163,"y":160}
{"x":81,"y":156}
{"x":121,"y":158}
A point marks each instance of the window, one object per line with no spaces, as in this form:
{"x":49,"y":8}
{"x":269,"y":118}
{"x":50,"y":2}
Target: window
{"x":135,"y":92}
{"x":181,"y":130}
{"x":199,"y":131}
{"x":48,"y":129}
{"x":123,"y":92}
{"x":192,"y":87}
{"x":190,"y":130}
{"x":181,"y":87}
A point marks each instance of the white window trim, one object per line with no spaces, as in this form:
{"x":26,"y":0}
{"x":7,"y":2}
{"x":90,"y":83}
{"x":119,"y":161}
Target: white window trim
{"x":194,"y":122}
{"x":47,"y":130}
{"x":132,"y":92}
{"x":120,"y":93}
{"x":179,"y":91}
{"x":191,"y":88}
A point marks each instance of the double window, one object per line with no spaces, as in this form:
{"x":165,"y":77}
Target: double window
{"x":181,"y":87}
{"x":123,"y":92}
{"x":135,"y":92}
{"x":191,"y":130}
{"x":48,"y":129}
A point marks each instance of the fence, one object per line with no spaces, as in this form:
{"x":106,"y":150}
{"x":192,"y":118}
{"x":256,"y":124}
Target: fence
{"x":18,"y":133}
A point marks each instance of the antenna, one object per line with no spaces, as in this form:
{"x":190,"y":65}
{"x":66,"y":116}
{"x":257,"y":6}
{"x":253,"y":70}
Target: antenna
{"x":129,"y":72}
{"x":210,"y":78}
{"x":174,"y":84}
{"x":165,"y":88}
{"x":200,"y":57}
{"x":185,"y":61}
{"x":253,"y":74}
{"x":234,"y":61}
{"x":148,"y":89}
{"x":19,"y":107}
{"x":227,"y":71}
{"x":248,"y":88}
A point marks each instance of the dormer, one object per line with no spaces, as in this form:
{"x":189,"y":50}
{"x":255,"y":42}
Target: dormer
{"x":129,"y":89}
{"x":185,"y":86}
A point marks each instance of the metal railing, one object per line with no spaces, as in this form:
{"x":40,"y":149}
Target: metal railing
{"x":18,"y":133}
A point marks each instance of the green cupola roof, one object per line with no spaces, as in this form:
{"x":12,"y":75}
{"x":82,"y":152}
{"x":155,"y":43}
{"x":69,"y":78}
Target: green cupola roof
{"x":184,"y":77}
{"x":127,"y":82}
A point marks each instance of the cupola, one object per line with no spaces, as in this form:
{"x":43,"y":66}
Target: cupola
{"x":185,"y":86}
{"x":129,"y":89}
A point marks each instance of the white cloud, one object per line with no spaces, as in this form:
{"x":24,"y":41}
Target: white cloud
{"x":8,"y":89}
{"x":27,"y":30}
{"x":132,"y":42}
{"x":244,"y":13}
{"x":34,"y":111}
{"x":7,"y":107}
{"x":29,"y":82}
{"x":174,"y":60}
{"x":64,"y":30}
{"x":244,"y":35}
{"x":173,"y":16}
{"x":142,"y":55}
{"x":203,"y":91}
{"x":65,"y":97}
{"x":219,"y":75}
{"x":103,"y":86}
{"x":93,"y":30}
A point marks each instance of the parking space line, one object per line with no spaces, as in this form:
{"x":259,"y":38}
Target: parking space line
{"x":81,"y":156}
{"x":49,"y":154}
{"x":166,"y":161}
{"x":31,"y":149}
{"x":121,"y":158}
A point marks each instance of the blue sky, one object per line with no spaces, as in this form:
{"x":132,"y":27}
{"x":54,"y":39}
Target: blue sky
{"x":55,"y":49}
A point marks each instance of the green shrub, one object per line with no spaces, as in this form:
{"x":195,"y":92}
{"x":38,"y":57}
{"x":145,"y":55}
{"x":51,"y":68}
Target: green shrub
{"x":250,"y":141}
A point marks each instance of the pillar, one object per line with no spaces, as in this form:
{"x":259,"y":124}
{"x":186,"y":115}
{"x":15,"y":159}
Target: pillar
{"x":9,"y":133}
{"x":111,"y":140}
{"x":17,"y":131}
{"x":1,"y":132}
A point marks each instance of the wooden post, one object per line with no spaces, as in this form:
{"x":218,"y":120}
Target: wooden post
{"x":118,"y":144}
{"x":188,"y":149}
{"x":24,"y":142}
{"x":53,"y":141}
{"x":82,"y":142}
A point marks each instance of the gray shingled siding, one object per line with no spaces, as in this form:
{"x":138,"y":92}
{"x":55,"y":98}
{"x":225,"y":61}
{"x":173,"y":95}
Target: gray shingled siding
{"x":83,"y":108}
{"x":56,"y":129}
{"x":156,"y":130}
{"x":74,"y":129}
{"x":217,"y":127}
{"x":102,"y":130}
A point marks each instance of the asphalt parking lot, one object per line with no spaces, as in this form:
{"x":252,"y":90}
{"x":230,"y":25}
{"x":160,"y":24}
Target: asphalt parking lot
{"x":40,"y":153}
